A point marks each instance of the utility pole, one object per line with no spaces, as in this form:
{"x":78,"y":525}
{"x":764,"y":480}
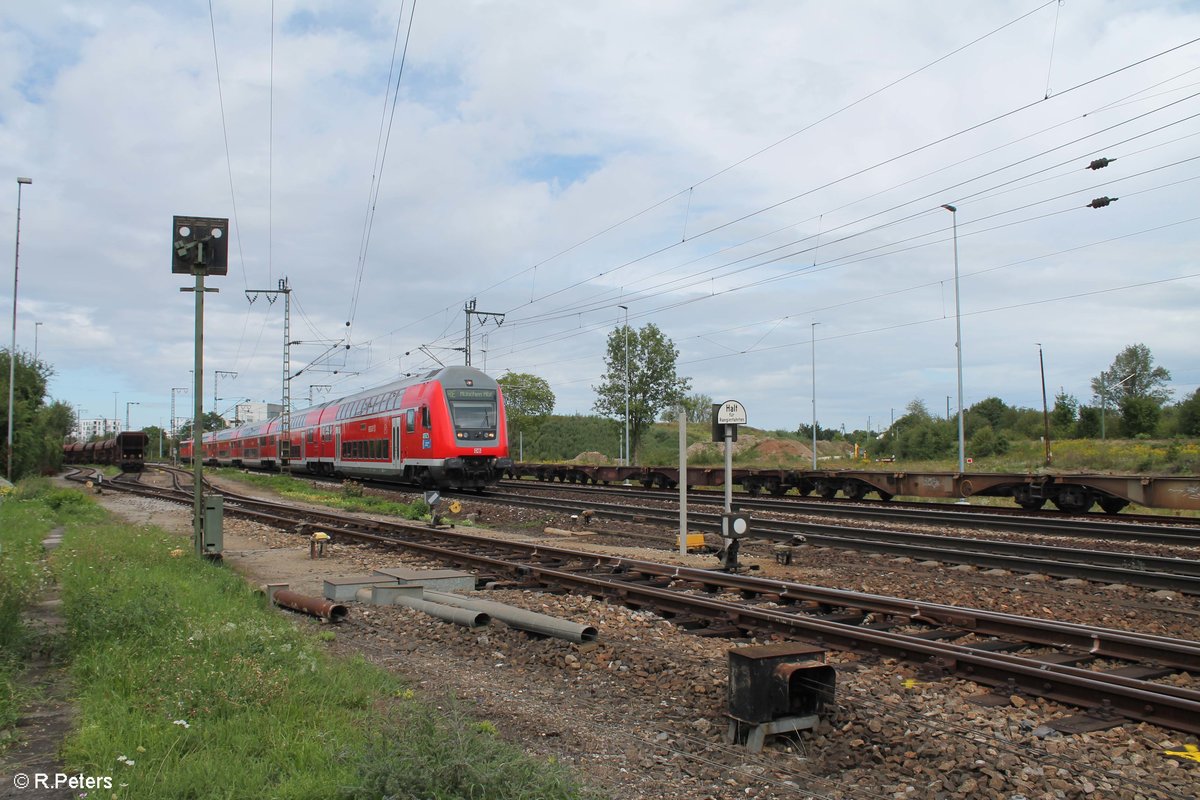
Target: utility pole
{"x":469,"y":310}
{"x":1045,"y":407}
{"x":285,"y":427}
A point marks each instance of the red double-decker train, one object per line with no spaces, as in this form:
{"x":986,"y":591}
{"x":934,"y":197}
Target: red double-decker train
{"x":446,"y":428}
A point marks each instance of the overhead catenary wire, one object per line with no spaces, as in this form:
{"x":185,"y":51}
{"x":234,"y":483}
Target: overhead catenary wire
{"x":517,"y":322}
{"x":381,"y":151}
{"x":631,"y":217}
{"x":887,"y":161}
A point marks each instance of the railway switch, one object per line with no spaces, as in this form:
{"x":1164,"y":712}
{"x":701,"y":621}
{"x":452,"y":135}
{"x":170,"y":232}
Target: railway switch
{"x":776,"y":688}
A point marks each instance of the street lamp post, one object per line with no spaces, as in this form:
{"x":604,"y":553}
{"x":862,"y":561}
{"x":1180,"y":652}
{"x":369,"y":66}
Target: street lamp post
{"x":813,"y":343}
{"x":627,"y":459}
{"x":1045,"y":407}
{"x":962,"y":450}
{"x":12,"y":352}
{"x":127,"y":405}
{"x":36,"y":325}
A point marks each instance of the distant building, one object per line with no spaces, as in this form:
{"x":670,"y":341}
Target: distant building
{"x":85,"y":429}
{"x":248,"y":413}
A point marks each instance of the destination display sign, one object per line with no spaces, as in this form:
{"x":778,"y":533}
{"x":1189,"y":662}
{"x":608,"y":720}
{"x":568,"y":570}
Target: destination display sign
{"x":471,"y":394}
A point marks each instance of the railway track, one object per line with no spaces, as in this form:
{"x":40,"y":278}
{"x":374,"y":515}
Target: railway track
{"x":1153,"y":572}
{"x":1112,"y":674}
{"x":1142,"y":528}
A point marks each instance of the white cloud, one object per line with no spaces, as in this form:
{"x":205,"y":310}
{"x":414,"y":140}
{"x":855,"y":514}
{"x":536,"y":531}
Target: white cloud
{"x":524,"y":129}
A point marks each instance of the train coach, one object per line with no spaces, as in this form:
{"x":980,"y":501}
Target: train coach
{"x":126,"y":450}
{"x":444,"y":429}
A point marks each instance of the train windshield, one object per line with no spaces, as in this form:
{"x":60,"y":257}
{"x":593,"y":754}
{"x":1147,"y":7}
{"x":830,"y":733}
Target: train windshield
{"x":472,"y":409}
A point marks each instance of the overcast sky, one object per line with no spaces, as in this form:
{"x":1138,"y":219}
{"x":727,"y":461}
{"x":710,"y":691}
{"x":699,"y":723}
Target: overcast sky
{"x":733,"y":172}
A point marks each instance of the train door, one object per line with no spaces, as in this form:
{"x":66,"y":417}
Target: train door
{"x":397,"y":456}
{"x":337,"y":447}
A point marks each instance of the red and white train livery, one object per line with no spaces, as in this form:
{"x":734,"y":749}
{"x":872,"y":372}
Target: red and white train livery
{"x":446,"y":428}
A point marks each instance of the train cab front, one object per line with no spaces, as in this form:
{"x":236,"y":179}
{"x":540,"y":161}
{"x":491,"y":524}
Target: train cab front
{"x":479,"y":438}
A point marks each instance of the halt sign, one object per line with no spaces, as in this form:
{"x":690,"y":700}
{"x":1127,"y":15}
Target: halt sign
{"x":731,"y":412}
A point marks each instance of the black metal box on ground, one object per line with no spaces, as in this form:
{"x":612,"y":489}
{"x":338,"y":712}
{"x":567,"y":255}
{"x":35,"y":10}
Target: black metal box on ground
{"x":770,"y":682}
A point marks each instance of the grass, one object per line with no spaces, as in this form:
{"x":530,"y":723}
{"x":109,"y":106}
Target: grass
{"x":24,"y":523}
{"x":350,"y":497}
{"x":189,"y":687}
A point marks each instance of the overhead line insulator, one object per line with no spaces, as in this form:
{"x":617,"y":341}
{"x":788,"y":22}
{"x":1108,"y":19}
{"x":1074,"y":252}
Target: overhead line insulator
{"x":1101,"y":202}
{"x":1100,"y":163}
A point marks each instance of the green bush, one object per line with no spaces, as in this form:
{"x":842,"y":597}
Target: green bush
{"x":409,"y":761}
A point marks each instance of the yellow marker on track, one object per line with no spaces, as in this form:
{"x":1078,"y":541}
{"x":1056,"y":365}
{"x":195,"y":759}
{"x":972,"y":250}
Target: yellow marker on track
{"x":1190,"y":751}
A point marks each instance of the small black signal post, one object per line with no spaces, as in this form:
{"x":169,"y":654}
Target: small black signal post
{"x":725,"y":420}
{"x":199,"y":247}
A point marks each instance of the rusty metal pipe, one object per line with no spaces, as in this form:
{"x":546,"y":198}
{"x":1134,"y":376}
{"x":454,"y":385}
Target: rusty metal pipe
{"x":317,"y":606}
{"x":519,"y":618}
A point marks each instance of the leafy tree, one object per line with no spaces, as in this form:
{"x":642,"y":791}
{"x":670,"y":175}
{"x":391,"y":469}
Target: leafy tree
{"x":918,"y":435}
{"x":1132,"y":375}
{"x":1139,"y":416}
{"x":995,"y":413}
{"x":528,"y":401}
{"x":1063,"y":414}
{"x":697,"y":407}
{"x":158,"y":441}
{"x":987,"y":442}
{"x":1088,"y":426}
{"x":1189,"y":415}
{"x":212,"y":422}
{"x":38,"y":429}
{"x":652,"y":381}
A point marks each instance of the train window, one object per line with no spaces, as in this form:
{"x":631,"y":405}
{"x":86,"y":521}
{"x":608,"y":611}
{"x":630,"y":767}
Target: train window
{"x":425,"y":416}
{"x":410,"y":420}
{"x":309,"y":436}
{"x":327,"y":431}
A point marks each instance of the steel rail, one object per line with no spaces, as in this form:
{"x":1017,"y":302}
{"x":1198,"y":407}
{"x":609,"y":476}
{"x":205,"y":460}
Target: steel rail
{"x":1171,"y":530}
{"x":1152,"y":572}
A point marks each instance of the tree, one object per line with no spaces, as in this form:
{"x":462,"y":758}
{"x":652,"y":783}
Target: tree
{"x":212,"y":422}
{"x":994,"y":413}
{"x":653,"y":383}
{"x":1132,"y":376}
{"x":1064,"y":414}
{"x":1189,"y":415}
{"x":1139,"y":416}
{"x":38,"y":429}
{"x":697,"y":408}
{"x":528,"y":400}
{"x":1088,"y":426}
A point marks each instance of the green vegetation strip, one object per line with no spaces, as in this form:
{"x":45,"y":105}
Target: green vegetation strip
{"x":23,"y":575}
{"x":348,"y":497}
{"x":189,"y":686}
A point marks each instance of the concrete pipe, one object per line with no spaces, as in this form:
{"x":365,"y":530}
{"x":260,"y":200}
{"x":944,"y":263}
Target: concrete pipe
{"x":467,"y":617}
{"x":521,"y":619}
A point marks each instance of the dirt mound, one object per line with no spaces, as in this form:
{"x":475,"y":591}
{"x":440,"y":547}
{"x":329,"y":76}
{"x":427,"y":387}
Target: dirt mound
{"x":779,"y":449}
{"x":590,"y":457}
